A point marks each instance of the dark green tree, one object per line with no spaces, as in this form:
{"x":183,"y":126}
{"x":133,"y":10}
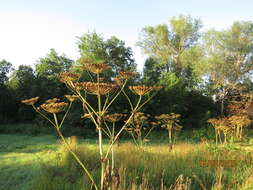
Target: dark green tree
{"x":113,"y":51}
{"x":5,"y":69}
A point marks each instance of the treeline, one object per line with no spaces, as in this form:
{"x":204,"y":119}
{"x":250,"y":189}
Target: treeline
{"x":198,"y":71}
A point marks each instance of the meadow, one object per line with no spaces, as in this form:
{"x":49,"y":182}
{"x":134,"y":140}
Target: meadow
{"x":42,"y":163}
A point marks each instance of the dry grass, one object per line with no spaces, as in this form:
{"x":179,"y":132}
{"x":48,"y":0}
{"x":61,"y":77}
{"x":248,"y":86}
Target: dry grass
{"x":48,"y":166}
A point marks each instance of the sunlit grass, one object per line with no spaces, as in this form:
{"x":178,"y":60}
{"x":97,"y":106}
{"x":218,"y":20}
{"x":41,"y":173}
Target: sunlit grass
{"x":23,"y":160}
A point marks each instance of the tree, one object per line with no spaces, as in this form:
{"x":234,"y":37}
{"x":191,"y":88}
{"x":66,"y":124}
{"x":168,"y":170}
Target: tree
{"x":22,"y":83}
{"x":51,"y":65}
{"x":5,"y":68}
{"x":229,"y":58}
{"x":168,"y":43}
{"x":174,"y":54}
{"x":22,"y":80}
{"x":113,"y":51}
{"x":151,"y":72}
{"x":47,"y":70}
{"x":8,"y":105}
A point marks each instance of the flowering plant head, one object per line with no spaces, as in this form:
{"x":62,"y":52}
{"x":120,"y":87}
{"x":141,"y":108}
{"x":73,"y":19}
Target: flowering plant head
{"x":143,"y":90}
{"x":71,"y":98}
{"x":67,"y":77}
{"x":53,"y":100}
{"x":30,"y":101}
{"x":139,"y":118}
{"x":169,"y":120}
{"x":95,"y":88}
{"x":54,"y":107}
{"x":113,"y":118}
{"x":118,"y":81}
{"x":96,"y":68}
{"x":127,"y":74}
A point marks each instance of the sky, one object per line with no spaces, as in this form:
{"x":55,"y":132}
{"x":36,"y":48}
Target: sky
{"x":30,"y":28}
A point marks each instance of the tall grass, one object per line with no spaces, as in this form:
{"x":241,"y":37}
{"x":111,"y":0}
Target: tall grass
{"x":150,"y":168}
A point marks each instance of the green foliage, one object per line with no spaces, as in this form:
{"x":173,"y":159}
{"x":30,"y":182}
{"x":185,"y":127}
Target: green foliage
{"x":168,"y":43}
{"x":113,"y":51}
{"x":52,"y":65}
{"x":202,"y":134}
{"x":5,"y":68}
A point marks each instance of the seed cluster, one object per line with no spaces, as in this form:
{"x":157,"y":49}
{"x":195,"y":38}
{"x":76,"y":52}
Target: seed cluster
{"x":143,"y":90}
{"x":30,"y":101}
{"x":127,"y":75}
{"x":118,"y":81}
{"x":113,"y":118}
{"x":54,"y":107}
{"x":139,"y":117}
{"x":71,"y":98}
{"x":96,"y":68}
{"x":95,"y":88}
{"x":54,"y":100}
{"x":165,"y":118}
{"x":68,"y":76}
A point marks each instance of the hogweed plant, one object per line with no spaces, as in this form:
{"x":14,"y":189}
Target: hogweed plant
{"x":222,"y":129}
{"x":239,"y":123}
{"x":239,"y":112}
{"x":113,"y":119}
{"x":171,"y":123}
{"x":139,"y":128}
{"x":53,"y":107}
{"x":99,"y":113}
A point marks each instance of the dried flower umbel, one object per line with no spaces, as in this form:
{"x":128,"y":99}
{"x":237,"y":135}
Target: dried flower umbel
{"x":127,"y":75}
{"x":113,"y":118}
{"x":96,"y":68}
{"x":118,"y":81}
{"x":71,"y":98}
{"x":171,"y":123}
{"x":54,"y":107}
{"x":143,"y":90}
{"x":54,"y":100}
{"x":139,"y":127}
{"x":66,"y":77}
{"x":30,"y":101}
{"x":95,"y":88}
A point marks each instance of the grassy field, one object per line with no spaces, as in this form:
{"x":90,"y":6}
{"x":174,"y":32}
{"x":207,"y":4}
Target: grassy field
{"x":41,"y":163}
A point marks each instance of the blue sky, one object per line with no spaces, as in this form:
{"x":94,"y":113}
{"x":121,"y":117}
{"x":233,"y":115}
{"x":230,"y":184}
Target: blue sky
{"x":29,"y":28}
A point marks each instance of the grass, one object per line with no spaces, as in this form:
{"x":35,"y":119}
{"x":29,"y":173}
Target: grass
{"x":41,"y":163}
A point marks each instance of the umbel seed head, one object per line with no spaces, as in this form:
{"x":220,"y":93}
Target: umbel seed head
{"x":71,"y":98}
{"x":118,"y":81}
{"x":54,"y":107}
{"x":143,"y":90}
{"x":54,"y":100}
{"x":127,"y":75}
{"x":66,"y":77}
{"x":96,"y":68}
{"x":95,"y":88}
{"x":165,"y":118}
{"x":113,"y":118}
{"x":30,"y":101}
